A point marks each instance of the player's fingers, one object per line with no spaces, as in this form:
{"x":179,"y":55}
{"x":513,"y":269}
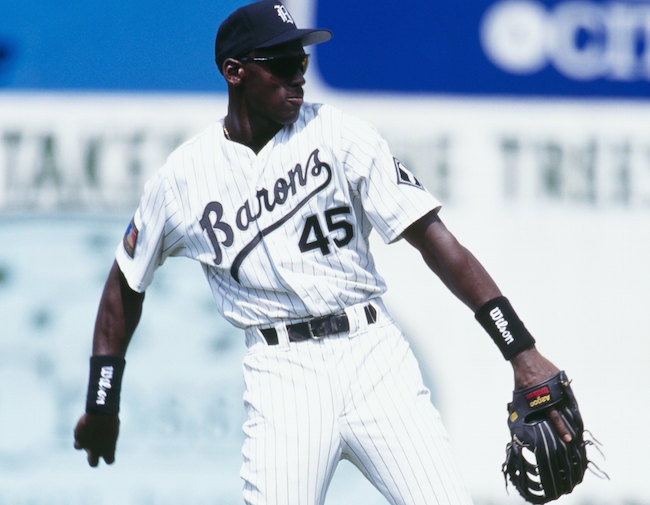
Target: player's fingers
{"x":109,"y":455}
{"x":78,"y":440}
{"x":80,"y":437}
{"x":93,"y":459}
{"x":560,"y":427}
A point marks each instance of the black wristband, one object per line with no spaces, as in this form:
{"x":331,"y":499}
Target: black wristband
{"x":501,"y":322}
{"x":104,"y":384}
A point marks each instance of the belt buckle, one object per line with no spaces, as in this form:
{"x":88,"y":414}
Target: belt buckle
{"x":319,"y":321}
{"x":328,"y":325}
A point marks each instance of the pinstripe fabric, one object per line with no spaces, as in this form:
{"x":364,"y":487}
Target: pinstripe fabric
{"x":282,"y":235}
{"x":246,"y":218}
{"x":358,"y":397}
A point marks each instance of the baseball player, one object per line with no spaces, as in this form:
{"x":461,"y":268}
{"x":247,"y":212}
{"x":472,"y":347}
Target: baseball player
{"x":276,"y":201}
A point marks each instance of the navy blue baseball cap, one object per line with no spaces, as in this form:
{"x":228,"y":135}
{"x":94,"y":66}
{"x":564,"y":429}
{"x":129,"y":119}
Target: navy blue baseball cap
{"x":261,"y":25}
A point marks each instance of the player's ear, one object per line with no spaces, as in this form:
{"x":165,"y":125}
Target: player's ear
{"x":233,"y":71}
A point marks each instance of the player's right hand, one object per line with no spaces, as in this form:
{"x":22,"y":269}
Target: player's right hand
{"x":97,"y":435}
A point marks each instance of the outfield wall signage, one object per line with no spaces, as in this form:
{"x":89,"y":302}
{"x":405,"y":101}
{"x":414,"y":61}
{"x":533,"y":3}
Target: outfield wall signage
{"x":506,"y":47}
{"x":550,"y":48}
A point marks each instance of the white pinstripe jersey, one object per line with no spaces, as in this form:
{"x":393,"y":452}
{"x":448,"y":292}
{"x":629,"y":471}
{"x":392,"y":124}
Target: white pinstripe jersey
{"x":281,"y":234}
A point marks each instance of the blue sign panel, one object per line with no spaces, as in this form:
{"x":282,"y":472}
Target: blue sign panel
{"x":563,"y":48}
{"x":506,"y":47}
{"x":126,"y":45}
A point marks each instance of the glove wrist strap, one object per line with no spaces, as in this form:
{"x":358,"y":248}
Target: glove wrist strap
{"x":104,"y":384}
{"x":500,"y":321}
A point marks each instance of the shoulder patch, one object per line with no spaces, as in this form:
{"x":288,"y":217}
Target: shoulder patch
{"x":404,"y":176}
{"x":130,"y":238}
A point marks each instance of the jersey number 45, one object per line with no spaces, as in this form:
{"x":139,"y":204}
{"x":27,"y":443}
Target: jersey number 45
{"x":338,"y":228}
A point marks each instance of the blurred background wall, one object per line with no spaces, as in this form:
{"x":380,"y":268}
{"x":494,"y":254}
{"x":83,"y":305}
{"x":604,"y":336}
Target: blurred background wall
{"x":529,"y":119}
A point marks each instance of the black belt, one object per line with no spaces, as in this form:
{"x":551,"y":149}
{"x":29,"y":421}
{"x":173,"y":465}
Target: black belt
{"x":318,"y":327}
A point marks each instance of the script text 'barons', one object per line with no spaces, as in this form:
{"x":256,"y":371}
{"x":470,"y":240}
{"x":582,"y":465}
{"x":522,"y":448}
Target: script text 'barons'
{"x":266,"y":200}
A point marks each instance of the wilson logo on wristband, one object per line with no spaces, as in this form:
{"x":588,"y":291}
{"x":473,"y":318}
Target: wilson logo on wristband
{"x":502,"y":325}
{"x":105,"y":378}
{"x":505,"y":328}
{"x":104,"y":384}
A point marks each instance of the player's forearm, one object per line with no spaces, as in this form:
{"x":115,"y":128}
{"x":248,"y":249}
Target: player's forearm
{"x":469,"y":281}
{"x":456,"y":266}
{"x":464,"y":276}
{"x":118,"y":315}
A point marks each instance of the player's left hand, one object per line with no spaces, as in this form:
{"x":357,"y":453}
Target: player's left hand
{"x":531,"y":368}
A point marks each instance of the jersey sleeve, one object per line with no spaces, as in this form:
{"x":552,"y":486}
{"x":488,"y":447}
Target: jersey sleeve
{"x":146,"y":242}
{"x":392,"y":197}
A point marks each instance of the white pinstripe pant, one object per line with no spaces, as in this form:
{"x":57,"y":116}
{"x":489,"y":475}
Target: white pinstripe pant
{"x":357,"y":396}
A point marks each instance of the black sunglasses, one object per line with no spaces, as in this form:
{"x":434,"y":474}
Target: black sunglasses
{"x":281,"y":66}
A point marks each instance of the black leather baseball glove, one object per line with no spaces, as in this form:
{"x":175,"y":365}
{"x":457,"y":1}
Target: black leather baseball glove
{"x":538,"y":462}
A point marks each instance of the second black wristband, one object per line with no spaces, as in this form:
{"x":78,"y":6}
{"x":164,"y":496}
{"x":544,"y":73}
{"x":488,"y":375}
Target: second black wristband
{"x":501,"y":322}
{"x":105,"y":384}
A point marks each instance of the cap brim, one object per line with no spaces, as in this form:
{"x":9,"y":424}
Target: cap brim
{"x":306,"y":36}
